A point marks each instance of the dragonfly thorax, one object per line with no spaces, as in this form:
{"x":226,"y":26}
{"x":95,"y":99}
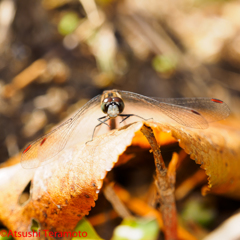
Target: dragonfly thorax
{"x":112,"y":106}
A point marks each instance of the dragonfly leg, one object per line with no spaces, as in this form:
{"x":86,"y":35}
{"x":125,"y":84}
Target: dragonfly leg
{"x":126,"y":116}
{"x":130,"y":115}
{"x":101,"y":122}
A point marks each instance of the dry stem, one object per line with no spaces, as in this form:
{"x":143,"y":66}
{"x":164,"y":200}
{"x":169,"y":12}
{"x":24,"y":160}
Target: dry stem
{"x":164,"y":187}
{"x":117,"y":204}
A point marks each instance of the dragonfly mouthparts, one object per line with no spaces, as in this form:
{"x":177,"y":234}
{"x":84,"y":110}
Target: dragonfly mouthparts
{"x":113,"y":111}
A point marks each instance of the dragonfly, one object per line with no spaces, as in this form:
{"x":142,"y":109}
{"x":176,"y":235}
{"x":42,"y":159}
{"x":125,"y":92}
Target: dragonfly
{"x":189,"y":112}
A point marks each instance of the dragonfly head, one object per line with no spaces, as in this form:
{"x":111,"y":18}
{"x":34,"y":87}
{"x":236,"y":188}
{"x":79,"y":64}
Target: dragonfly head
{"x":112,"y":106}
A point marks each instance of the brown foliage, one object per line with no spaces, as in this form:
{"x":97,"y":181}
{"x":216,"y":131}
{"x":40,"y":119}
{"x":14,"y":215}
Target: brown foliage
{"x":65,"y":190}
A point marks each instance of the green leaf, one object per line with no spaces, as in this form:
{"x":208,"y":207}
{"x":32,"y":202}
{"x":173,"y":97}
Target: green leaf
{"x":68,"y":23}
{"x":136,"y":229}
{"x":164,"y":63}
{"x":199,"y":212}
{"x":86,"y":231}
{"x":4,"y":232}
{"x":34,"y":225}
{"x":6,"y":238}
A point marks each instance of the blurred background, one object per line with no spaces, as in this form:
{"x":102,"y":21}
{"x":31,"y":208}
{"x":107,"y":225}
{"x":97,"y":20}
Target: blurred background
{"x":55,"y":55}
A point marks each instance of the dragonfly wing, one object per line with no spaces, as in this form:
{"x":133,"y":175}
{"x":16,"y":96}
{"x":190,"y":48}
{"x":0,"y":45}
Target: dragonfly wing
{"x":42,"y":150}
{"x":46,"y":147}
{"x":192,"y":112}
{"x":183,"y":115}
{"x":210,"y":108}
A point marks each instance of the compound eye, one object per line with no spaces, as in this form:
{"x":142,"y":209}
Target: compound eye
{"x":105,"y":104}
{"x":121,"y":106}
{"x":119,"y":102}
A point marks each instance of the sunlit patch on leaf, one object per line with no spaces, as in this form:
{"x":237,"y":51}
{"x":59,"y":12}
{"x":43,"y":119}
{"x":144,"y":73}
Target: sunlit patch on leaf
{"x":136,"y":229}
{"x":163,"y":138}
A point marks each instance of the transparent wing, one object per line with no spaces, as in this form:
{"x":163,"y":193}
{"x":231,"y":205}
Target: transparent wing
{"x":194,"y":112}
{"x":210,"y":108}
{"x":45,"y":148}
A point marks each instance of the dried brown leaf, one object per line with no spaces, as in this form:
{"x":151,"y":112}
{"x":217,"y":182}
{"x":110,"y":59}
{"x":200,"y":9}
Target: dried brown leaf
{"x":66,"y":190}
{"x":217,"y":150}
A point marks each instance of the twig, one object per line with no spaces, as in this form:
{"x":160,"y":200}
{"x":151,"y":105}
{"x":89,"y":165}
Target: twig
{"x":190,"y":183}
{"x":141,"y":208}
{"x":164,"y":187}
{"x":117,"y":204}
{"x":25,"y":77}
